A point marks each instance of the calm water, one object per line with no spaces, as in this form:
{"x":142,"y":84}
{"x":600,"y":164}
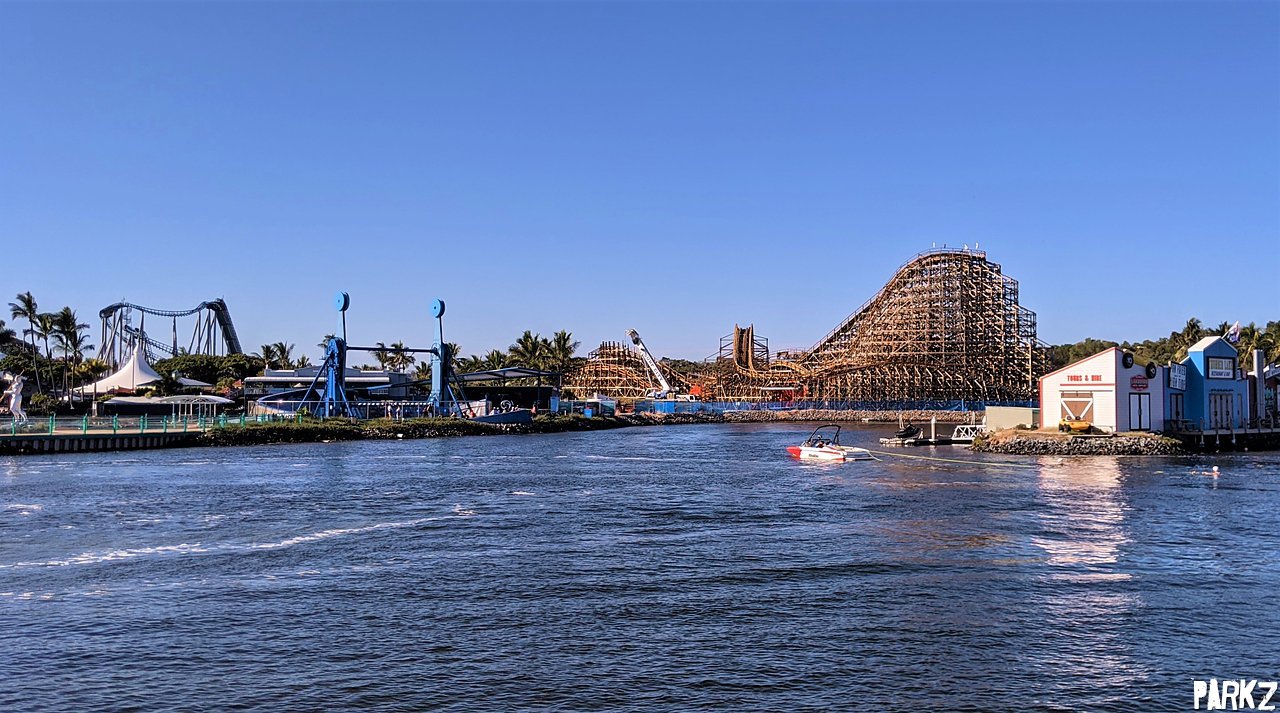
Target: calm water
{"x":661,"y":568}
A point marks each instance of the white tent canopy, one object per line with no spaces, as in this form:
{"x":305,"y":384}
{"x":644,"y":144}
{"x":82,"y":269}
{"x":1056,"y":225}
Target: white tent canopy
{"x":134,"y":374}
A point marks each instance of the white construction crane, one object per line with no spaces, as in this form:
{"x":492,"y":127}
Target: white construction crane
{"x":664,"y":386}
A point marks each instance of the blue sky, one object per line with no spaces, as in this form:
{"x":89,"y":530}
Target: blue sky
{"x":673,"y":167}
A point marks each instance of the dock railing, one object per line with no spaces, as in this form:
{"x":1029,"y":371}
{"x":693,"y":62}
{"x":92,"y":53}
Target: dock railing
{"x":123,"y":425}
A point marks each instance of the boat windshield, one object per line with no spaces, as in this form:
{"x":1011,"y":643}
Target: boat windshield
{"x":820,"y":438}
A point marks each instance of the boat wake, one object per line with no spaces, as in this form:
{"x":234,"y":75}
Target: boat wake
{"x":199,"y":548}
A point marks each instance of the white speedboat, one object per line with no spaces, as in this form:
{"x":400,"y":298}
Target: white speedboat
{"x":824,"y":444}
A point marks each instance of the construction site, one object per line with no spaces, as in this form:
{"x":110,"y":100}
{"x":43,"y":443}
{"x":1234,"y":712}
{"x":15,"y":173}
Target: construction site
{"x":946,"y":329}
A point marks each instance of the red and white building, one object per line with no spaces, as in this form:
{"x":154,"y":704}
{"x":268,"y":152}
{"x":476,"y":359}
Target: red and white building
{"x":1109,"y":390}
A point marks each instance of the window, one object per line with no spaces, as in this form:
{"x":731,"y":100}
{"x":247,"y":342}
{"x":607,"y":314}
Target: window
{"x":1220,"y":368}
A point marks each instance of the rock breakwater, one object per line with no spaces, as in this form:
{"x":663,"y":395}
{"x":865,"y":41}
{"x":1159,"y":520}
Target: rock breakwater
{"x":1038,"y":443}
{"x":916,"y":417}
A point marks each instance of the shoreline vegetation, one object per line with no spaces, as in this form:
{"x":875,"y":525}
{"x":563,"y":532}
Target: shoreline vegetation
{"x":1017,"y":441}
{"x":315,"y":431}
{"x":1007,"y":442}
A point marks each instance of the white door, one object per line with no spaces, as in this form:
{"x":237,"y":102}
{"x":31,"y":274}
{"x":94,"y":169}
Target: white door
{"x":1219,"y":411}
{"x":1139,"y":412}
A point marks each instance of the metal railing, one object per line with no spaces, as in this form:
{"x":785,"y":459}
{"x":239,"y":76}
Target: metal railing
{"x":126,"y":425}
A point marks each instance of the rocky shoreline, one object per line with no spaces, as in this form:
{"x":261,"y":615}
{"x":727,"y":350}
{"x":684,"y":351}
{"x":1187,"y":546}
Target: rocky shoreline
{"x":831,"y":416}
{"x":1040,"y":443}
{"x":314,"y":431}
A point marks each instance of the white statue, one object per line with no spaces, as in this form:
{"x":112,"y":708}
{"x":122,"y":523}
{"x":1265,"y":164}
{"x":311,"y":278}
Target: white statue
{"x":14,"y":392}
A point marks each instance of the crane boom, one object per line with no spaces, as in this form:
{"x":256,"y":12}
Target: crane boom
{"x":650,"y":362}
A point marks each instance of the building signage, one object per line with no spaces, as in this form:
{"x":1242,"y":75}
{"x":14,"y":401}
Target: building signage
{"x":1221,"y":368}
{"x":1178,"y":376}
{"x":1087,"y":378}
{"x":1138,"y":383}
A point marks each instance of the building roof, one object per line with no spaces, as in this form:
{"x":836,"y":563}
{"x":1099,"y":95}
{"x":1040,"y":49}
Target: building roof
{"x":1081,"y":361}
{"x":180,"y":399}
{"x":307,"y":373}
{"x":1209,"y":341}
{"x":510,"y":372}
{"x":367,"y":378}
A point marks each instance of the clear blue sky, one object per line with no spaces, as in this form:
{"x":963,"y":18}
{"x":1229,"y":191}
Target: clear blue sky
{"x":674,"y":167}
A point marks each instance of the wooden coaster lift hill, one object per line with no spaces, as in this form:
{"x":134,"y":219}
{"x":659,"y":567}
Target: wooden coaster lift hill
{"x":946,"y":327}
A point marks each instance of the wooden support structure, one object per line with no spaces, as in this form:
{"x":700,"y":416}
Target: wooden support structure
{"x":617,"y":371}
{"x":946,"y":327}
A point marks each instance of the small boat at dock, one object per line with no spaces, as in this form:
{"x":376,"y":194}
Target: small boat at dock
{"x":824,"y":444}
{"x":912,"y":435}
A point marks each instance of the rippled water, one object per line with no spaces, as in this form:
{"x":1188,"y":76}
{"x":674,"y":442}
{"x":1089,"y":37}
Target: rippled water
{"x":658,"y":568}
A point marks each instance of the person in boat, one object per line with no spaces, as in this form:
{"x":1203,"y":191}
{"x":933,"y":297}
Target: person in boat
{"x":910,"y":431}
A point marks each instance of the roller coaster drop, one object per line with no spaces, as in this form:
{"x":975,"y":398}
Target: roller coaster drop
{"x":212,"y":333}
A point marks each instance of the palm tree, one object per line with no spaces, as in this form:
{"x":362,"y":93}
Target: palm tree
{"x":68,"y":334}
{"x":423,"y":372}
{"x":277,"y":356}
{"x":1184,"y":340}
{"x":382,"y":355}
{"x":530,"y":350}
{"x":91,"y":369}
{"x":562,"y":349}
{"x":285,"y":352}
{"x":267,"y":353}
{"x":493,"y":360}
{"x":6,"y":334}
{"x":1273,"y":334}
{"x":1252,"y":338}
{"x":303,"y":361}
{"x":401,"y":360}
{"x":25,"y":308}
{"x":46,"y":325}
{"x":468,"y":364}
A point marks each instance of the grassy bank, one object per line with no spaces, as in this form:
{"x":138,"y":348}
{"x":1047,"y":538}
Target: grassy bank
{"x":316,"y":431}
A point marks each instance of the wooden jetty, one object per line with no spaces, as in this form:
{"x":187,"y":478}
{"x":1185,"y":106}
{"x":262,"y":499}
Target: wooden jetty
{"x":962,"y":435}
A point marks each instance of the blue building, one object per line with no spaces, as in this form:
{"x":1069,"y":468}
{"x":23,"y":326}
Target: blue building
{"x":1207,"y":390}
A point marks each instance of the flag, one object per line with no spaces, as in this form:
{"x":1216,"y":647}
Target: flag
{"x":1233,"y":334}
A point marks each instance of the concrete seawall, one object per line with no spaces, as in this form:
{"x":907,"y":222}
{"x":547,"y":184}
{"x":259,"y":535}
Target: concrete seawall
{"x":82,"y":443}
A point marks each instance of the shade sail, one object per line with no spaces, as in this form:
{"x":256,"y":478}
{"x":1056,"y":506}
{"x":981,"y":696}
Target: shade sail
{"x":133,"y":374}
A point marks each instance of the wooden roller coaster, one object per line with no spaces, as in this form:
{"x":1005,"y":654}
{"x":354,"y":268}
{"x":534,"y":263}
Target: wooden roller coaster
{"x":616,"y":371}
{"x":947,"y":326}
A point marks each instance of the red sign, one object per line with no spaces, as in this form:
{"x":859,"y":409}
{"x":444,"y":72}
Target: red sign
{"x":1138,"y":383}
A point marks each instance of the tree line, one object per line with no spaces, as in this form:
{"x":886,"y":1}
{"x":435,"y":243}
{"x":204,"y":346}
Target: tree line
{"x":1173,"y":348}
{"x":531,"y":350}
{"x":50,"y":350}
